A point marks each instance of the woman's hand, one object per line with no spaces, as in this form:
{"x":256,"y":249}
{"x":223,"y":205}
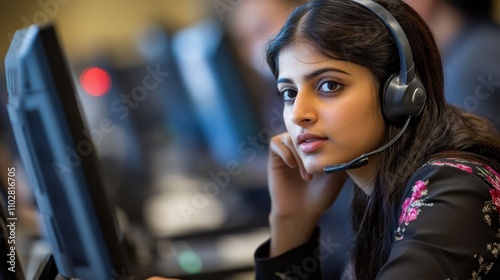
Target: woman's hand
{"x":298,"y":198}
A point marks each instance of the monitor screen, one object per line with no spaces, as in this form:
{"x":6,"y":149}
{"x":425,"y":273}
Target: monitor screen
{"x":59,"y":159}
{"x":215,"y":85}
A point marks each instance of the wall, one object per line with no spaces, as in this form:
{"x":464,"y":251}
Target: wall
{"x":89,"y":26}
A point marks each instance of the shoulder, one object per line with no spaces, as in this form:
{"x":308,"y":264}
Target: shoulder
{"x":452,"y":169}
{"x":461,"y":185}
{"x":456,"y":174}
{"x":448,"y":223}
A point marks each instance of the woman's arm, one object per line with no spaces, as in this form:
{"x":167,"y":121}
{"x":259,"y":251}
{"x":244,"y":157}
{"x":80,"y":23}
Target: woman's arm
{"x":298,"y":201}
{"x":298,"y":198}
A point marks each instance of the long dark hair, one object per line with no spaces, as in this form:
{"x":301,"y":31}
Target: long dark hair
{"x":344,"y":30}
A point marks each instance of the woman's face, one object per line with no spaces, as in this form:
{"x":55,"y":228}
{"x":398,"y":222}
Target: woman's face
{"x":331,"y":108}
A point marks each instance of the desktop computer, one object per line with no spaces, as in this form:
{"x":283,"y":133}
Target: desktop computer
{"x":59,"y":160}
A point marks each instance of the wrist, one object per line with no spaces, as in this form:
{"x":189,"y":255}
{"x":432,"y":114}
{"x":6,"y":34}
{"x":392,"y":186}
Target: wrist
{"x":301,"y":217}
{"x":290,"y":232}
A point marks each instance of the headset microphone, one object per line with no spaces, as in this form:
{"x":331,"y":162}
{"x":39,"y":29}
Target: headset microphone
{"x":404,"y":94}
{"x":363,"y":159}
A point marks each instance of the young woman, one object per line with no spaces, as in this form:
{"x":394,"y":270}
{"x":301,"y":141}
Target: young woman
{"x":424,"y":208}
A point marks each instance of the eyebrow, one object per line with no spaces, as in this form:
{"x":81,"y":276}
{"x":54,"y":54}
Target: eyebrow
{"x":314,"y":74}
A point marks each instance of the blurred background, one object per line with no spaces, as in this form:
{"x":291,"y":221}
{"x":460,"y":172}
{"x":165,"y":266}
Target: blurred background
{"x":185,"y":160}
{"x":185,"y":164}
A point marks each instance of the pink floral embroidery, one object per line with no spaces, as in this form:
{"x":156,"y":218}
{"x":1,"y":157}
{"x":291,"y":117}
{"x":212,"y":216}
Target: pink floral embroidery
{"x":494,"y":180}
{"x":411,"y":207}
{"x":456,"y":165}
{"x":495,"y":197}
{"x":405,"y":207}
{"x":493,"y":205}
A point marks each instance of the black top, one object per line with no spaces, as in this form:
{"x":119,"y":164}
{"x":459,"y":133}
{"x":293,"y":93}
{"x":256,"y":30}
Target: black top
{"x":449,"y":228}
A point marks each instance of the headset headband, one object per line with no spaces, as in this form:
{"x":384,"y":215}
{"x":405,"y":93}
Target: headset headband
{"x":407,"y":71}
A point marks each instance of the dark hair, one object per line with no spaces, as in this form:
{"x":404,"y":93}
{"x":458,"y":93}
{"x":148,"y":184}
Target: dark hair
{"x":344,"y":30}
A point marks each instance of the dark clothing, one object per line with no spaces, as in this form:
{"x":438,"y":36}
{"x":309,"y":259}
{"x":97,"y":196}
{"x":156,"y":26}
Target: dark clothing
{"x":449,"y":228}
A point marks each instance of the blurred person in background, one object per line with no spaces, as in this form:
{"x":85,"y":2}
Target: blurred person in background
{"x":469,"y":41}
{"x":250,"y":25}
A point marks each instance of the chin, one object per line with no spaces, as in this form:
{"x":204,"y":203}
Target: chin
{"x":314,"y":169}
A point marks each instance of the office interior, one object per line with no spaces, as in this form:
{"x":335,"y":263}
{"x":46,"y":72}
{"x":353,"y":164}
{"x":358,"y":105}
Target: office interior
{"x":185,"y":162}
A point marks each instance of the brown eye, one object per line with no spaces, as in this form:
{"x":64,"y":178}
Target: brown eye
{"x":288,"y":94}
{"x":329,"y":86}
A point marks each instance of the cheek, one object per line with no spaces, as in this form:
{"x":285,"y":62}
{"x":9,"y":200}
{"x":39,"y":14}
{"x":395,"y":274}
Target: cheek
{"x":289,"y":125}
{"x":374,"y":128}
{"x":358,"y":126}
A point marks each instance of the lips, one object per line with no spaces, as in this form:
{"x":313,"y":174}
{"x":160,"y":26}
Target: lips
{"x":309,"y":143}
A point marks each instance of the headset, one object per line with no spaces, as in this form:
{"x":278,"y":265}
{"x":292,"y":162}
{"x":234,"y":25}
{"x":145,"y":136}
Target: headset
{"x":404,"y":95}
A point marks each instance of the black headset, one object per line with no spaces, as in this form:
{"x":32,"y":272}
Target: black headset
{"x":404,"y":95}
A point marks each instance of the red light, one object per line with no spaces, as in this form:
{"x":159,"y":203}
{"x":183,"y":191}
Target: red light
{"x":95,"y":81}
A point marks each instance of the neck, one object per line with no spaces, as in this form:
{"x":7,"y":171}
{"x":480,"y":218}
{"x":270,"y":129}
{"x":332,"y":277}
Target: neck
{"x":364,"y":177}
{"x":445,"y":22}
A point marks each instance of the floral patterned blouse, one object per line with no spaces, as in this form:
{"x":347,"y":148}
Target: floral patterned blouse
{"x":448,"y":228}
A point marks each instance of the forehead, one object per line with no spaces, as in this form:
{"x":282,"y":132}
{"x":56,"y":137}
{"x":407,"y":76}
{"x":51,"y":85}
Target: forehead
{"x":301,"y":58}
{"x":301,"y":52}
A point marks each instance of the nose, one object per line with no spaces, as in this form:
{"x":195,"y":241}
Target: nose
{"x":303,"y":112}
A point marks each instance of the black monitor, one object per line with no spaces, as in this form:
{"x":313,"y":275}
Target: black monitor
{"x":59,"y":159}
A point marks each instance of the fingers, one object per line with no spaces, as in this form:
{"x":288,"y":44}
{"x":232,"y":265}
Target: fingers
{"x":279,"y":147}
{"x":282,"y":146}
{"x":303,"y":172}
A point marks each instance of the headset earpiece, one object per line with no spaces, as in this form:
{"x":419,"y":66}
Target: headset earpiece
{"x":399,"y":101}
{"x":404,"y":94}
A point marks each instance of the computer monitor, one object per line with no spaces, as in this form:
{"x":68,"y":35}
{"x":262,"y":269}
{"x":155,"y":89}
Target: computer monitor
{"x":214,"y":82}
{"x":59,"y":159}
